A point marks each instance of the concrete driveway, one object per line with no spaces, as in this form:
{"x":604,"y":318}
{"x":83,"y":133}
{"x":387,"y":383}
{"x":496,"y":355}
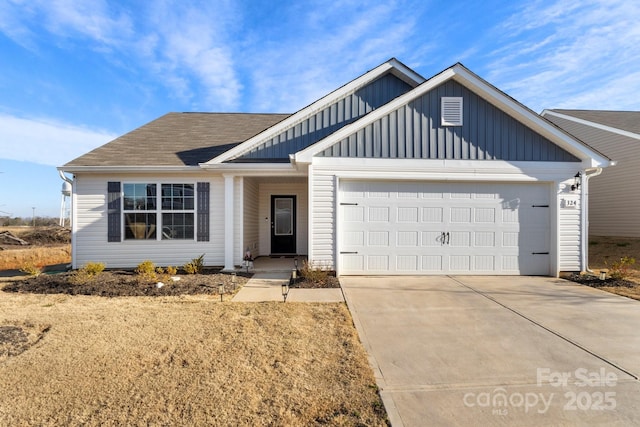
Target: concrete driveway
{"x":525,"y":351}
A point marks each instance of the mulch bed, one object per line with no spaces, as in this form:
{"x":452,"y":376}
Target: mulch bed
{"x":595,"y":282}
{"x":331,"y":281}
{"x":126,"y":283}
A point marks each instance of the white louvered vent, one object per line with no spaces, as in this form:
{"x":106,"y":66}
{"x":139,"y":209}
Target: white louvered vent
{"x":451,"y":111}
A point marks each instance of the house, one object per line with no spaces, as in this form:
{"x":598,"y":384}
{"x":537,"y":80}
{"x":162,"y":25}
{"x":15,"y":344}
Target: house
{"x":614,"y":197}
{"x":389,"y":174}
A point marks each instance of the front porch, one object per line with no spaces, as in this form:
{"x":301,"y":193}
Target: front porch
{"x":267,"y":218}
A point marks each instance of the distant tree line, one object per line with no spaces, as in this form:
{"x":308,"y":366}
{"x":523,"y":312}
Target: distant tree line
{"x":38,"y":221}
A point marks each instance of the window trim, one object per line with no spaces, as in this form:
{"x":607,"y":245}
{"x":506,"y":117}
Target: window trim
{"x":158,"y":211}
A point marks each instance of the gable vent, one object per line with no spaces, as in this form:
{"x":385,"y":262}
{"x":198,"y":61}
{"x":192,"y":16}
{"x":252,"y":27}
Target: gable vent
{"x":451,"y":111}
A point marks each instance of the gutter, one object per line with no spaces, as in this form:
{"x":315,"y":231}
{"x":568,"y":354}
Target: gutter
{"x":588,"y":174}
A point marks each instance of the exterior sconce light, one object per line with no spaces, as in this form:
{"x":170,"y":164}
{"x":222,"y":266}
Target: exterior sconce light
{"x":285,"y":291}
{"x":221,"y":290}
{"x":576,"y":182}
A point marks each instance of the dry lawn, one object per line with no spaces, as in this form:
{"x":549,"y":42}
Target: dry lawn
{"x":603,"y":251}
{"x":41,"y":253}
{"x":181,"y":361}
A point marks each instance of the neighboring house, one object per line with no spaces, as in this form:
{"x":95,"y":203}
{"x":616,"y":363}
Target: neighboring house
{"x":614,"y":197}
{"x":389,"y":174}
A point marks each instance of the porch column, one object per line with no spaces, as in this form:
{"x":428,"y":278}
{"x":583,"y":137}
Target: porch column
{"x":228,"y":222}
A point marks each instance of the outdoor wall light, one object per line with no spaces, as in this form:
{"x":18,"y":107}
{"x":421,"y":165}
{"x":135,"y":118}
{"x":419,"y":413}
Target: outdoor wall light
{"x":221,"y":290}
{"x":285,"y":291}
{"x":576,"y":182}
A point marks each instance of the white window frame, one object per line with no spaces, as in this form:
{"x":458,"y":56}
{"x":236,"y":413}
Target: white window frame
{"x":158,"y":211}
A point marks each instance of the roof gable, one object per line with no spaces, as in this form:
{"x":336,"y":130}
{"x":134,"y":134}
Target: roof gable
{"x":326,"y":115}
{"x":416,"y":131}
{"x":538,"y":126}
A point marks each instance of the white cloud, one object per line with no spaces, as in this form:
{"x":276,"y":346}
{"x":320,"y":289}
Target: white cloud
{"x":46,"y":142}
{"x":185,"y":44}
{"x":327,"y":45}
{"x":571,"y":54}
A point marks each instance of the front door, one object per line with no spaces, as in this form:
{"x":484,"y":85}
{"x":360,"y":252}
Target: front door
{"x":283,"y":224}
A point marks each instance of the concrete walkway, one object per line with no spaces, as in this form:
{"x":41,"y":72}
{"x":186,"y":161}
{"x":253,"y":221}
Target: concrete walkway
{"x":267,"y":286}
{"x":524,"y":351}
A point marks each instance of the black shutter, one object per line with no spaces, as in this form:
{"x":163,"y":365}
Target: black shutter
{"x":203,"y":212}
{"x":113,"y":212}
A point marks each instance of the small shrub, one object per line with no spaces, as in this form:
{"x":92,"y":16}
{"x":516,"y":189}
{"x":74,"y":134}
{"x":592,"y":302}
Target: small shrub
{"x":194,"y":266}
{"x":88,"y":272}
{"x":171,"y":271}
{"x":31,"y":268}
{"x":147,"y":270}
{"x":93,"y":268}
{"x":313,"y":273}
{"x":619,"y":270}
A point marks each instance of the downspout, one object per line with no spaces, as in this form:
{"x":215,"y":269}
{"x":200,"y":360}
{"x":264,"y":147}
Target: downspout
{"x":65,"y":177}
{"x":584,"y":206}
{"x":71,"y":219}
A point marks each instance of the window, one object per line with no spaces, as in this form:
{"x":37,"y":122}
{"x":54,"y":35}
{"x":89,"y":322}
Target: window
{"x":140,"y":218}
{"x":177,"y":211}
{"x":451,"y":111}
{"x":144,"y":221}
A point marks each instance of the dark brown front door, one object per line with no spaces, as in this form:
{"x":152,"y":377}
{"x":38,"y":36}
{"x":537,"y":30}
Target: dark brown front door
{"x":283,"y":224}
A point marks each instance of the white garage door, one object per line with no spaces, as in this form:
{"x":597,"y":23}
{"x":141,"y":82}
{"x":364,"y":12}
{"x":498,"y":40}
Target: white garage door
{"x":443,"y":228}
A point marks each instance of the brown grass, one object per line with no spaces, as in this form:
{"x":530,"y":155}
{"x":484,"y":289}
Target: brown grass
{"x":40,"y":256}
{"x":184,"y":361}
{"x":603,"y":251}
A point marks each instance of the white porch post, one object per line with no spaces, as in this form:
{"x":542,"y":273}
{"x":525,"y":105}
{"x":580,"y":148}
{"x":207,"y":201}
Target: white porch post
{"x":228,"y":222}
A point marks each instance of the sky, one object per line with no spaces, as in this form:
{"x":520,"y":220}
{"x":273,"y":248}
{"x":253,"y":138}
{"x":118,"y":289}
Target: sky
{"x":75,"y":74}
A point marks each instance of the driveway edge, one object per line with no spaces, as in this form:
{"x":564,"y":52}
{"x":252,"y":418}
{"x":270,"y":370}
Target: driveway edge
{"x":393,"y":414}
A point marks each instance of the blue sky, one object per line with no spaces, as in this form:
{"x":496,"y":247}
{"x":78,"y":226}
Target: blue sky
{"x":75,"y":74}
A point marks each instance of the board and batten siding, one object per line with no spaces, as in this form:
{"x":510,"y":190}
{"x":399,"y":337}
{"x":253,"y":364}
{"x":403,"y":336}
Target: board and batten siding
{"x":614,"y":195}
{"x":293,"y":188}
{"x":324,"y":214}
{"x":328,"y":120}
{"x":415,"y":131}
{"x":90,"y":228}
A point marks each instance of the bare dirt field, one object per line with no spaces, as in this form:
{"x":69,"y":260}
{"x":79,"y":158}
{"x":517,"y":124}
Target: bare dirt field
{"x":190,"y":360}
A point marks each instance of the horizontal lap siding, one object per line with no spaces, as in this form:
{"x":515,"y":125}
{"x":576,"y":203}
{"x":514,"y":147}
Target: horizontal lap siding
{"x":251,"y":217}
{"x":614,"y":196}
{"x":324,"y":217}
{"x":91,"y":243}
{"x":569,"y":236}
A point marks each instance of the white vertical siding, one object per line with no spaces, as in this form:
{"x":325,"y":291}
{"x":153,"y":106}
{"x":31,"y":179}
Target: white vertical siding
{"x":324,"y":217}
{"x":91,"y":227}
{"x":251,"y":218}
{"x":266,"y":190}
{"x":569,"y":229}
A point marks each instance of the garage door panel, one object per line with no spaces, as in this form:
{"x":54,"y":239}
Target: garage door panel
{"x":443,"y":228}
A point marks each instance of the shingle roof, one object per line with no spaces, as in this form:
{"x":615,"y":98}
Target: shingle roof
{"x":179,"y":139}
{"x":624,"y":120}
